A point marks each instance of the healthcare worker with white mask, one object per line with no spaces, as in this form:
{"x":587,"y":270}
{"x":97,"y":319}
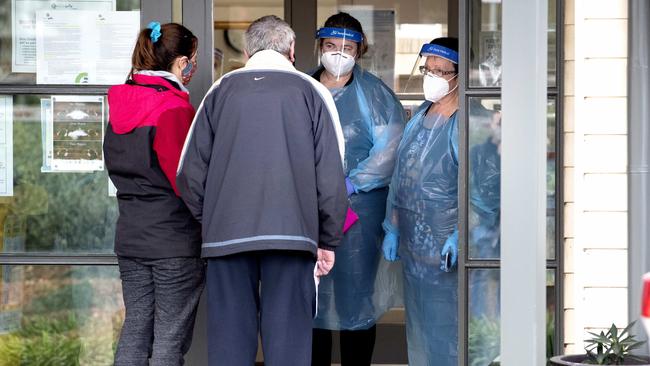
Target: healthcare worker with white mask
{"x":422,"y":212}
{"x":372,"y":118}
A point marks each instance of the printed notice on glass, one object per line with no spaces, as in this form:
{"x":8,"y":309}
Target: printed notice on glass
{"x":6,"y":146}
{"x":85,"y":47}
{"x":74,"y":134}
{"x":489,"y":67}
{"x":23,"y":26}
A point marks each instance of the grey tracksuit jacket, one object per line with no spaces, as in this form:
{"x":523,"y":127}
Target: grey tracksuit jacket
{"x":262,"y":167}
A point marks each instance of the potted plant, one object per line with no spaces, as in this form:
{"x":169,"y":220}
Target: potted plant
{"x":611,"y":348}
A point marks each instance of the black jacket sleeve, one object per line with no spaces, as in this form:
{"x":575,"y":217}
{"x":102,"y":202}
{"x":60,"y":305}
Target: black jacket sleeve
{"x":330,"y":179}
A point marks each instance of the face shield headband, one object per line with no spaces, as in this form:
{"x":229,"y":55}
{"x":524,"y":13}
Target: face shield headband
{"x":429,"y":49}
{"x":327,"y":32}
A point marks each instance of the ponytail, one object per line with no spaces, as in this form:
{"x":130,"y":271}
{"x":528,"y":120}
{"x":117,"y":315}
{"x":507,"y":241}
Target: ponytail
{"x":158,"y":46}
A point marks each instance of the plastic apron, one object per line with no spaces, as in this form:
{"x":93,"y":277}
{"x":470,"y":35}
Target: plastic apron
{"x":423,"y":207}
{"x":353,"y":296}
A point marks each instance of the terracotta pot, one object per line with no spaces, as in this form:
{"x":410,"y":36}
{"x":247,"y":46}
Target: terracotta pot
{"x":576,"y":360}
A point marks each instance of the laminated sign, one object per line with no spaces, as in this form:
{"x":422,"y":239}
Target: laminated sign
{"x":85,"y":47}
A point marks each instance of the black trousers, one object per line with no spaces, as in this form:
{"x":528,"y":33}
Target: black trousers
{"x":356,"y":347}
{"x":272,"y":291}
{"x":161,"y":297}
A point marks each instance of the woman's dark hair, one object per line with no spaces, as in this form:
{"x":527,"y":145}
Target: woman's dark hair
{"x":347,"y":21}
{"x":448,"y":42}
{"x":175,"y":40}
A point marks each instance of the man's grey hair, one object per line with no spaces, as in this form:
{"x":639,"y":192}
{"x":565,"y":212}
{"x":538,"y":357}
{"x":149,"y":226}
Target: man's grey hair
{"x":269,"y":33}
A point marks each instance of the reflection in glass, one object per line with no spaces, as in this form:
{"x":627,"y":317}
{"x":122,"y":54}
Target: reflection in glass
{"x":485,"y":178}
{"x":484,"y":322}
{"x":52,"y":212}
{"x":485,"y":43}
{"x":551,"y":189}
{"x":68,"y":314}
{"x":395,"y":34}
{"x":18,"y":68}
{"x":231,"y":18}
{"x":484,"y":317}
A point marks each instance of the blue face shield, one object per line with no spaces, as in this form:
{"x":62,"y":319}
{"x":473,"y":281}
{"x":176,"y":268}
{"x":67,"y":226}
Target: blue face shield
{"x":419,"y":69}
{"x":338,"y":59}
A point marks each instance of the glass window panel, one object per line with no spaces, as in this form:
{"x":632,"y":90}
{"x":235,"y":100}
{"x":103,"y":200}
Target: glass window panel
{"x":231,"y":18}
{"x":485,"y":178}
{"x":485,"y":43}
{"x":54,"y":212}
{"x":396,"y":31}
{"x":71,"y":314}
{"x":484,"y":316}
{"x":551,"y":189}
{"x":17,"y":42}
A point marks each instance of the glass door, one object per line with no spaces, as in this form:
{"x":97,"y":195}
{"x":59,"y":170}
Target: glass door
{"x":231,"y":18}
{"x":396,"y":31}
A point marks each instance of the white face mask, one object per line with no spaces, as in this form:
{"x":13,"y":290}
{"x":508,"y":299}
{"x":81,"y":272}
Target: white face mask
{"x":435,"y":87}
{"x":337,"y":63}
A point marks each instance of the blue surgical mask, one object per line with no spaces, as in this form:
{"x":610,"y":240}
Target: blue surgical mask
{"x":187,"y":71}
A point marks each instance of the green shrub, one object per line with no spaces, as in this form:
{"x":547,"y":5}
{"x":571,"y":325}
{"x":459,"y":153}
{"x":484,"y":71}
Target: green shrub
{"x":42,"y":341}
{"x":484,"y":341}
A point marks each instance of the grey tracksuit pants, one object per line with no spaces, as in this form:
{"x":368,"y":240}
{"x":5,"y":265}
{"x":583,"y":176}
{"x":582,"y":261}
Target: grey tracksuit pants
{"x":161,"y":297}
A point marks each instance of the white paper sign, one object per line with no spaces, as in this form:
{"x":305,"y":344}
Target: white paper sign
{"x":6,"y":146}
{"x":85,"y":47}
{"x":23,"y":26}
{"x":74,"y":134}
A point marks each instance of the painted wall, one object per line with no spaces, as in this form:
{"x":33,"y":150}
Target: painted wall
{"x":595,"y":146}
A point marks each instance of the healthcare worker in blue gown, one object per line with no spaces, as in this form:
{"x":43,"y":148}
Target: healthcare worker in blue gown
{"x":372,"y":119}
{"x":422,"y":212}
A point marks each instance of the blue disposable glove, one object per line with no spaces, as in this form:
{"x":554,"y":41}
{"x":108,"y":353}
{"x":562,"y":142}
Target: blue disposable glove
{"x":349,"y":187}
{"x":390,"y":245}
{"x":451,"y":248}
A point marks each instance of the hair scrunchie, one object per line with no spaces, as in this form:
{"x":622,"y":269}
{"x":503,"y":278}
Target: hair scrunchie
{"x":155,"y":31}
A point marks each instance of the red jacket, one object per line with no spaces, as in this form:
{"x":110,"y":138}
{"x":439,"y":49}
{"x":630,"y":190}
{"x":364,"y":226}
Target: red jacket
{"x":170,"y":112}
{"x":149,"y":118}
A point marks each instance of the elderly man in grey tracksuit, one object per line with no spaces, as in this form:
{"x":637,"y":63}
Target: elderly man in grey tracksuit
{"x":262,"y":170}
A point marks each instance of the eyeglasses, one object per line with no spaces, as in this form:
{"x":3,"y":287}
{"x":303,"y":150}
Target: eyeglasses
{"x":425,"y":70}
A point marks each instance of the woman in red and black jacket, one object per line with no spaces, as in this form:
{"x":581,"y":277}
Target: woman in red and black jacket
{"x":157,"y":240}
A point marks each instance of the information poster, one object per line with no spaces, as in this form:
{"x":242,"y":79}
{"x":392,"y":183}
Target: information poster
{"x":74,"y":133}
{"x":23,"y":26}
{"x":489,"y":68}
{"x":6,"y":146}
{"x":84,"y":47}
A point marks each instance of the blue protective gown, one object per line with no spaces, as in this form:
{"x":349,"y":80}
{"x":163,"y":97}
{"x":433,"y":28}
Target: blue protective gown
{"x":423,"y":209}
{"x":372,"y":118}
